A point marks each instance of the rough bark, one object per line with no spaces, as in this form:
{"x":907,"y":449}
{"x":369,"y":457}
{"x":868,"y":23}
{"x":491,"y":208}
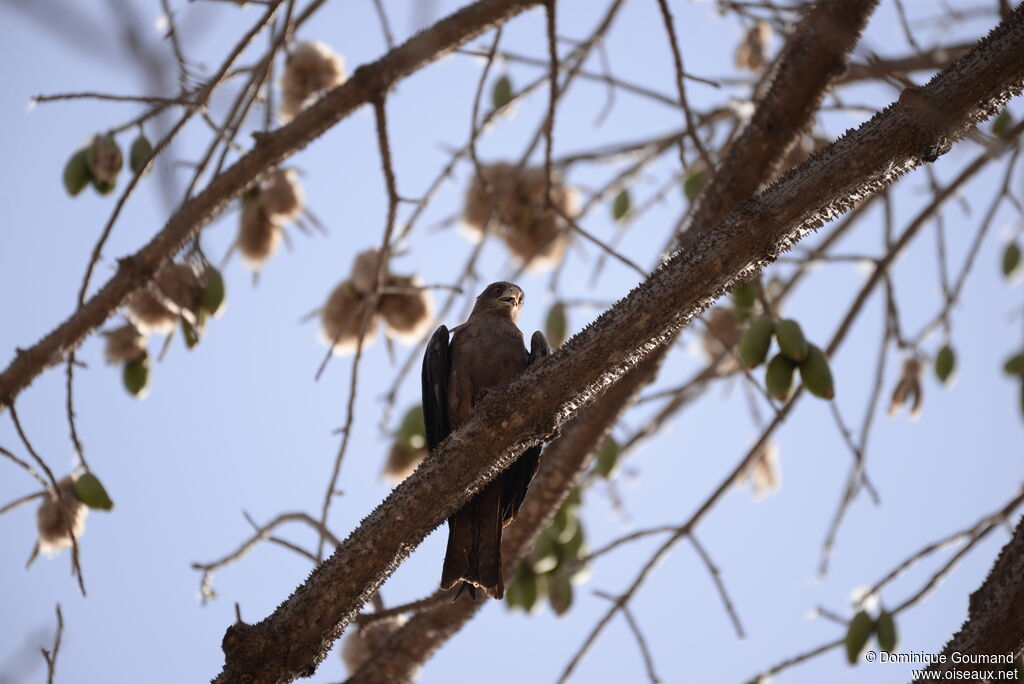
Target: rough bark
{"x":920,"y":126}
{"x":367,"y":83}
{"x":995,"y":617}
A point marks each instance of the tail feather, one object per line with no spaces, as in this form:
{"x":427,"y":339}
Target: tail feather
{"x":474,"y":544}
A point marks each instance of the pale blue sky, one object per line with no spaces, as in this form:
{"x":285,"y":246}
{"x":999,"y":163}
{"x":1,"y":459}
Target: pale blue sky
{"x":239,"y":423}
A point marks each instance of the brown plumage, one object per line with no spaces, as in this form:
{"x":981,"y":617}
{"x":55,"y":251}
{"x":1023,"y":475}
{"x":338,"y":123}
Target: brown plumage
{"x":485,"y":352}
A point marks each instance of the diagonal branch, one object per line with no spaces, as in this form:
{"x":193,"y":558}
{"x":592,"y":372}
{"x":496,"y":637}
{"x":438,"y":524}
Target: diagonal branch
{"x":294,"y":639}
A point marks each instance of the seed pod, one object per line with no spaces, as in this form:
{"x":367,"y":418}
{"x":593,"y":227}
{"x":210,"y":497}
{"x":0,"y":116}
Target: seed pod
{"x":282,"y":197}
{"x":402,"y":460}
{"x":885,"y":631}
{"x":744,"y":295}
{"x":763,"y":474}
{"x":258,"y":236}
{"x":560,"y":593}
{"x":149,"y":314}
{"x":909,"y":387}
{"x":608,"y":457}
{"x":1015,"y":365}
{"x":501,"y":93}
{"x":1011,"y":260}
{"x":139,"y":153}
{"x":105,"y":161}
{"x":125,"y":343}
{"x":91,"y":492}
{"x":51,"y":525}
{"x":364,"y":271}
{"x":857,"y":635}
{"x":311,"y":68}
{"x":945,"y":365}
{"x":555,"y":325}
{"x":76,"y":172}
{"x":214,"y":294}
{"x":343,"y":318}
{"x":791,"y":339}
{"x":179,"y":287}
{"x":755,"y":342}
{"x":750,"y":54}
{"x":407,"y":315}
{"x":515,"y":201}
{"x":816,"y":374}
{"x":621,"y":205}
{"x":778,"y":377}
{"x":136,"y":377}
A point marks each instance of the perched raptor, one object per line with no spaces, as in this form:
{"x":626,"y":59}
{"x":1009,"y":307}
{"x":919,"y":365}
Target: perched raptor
{"x":484,"y":353}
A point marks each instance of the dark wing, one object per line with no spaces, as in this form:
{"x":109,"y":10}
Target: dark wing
{"x":539,"y":347}
{"x":437,"y":367}
{"x":521,"y":472}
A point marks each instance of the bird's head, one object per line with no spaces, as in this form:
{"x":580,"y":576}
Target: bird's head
{"x":501,"y":297}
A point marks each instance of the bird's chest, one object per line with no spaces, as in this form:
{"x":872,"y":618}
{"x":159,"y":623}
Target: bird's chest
{"x":483,"y":358}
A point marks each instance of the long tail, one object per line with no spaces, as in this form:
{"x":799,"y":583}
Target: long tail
{"x":474,"y":544}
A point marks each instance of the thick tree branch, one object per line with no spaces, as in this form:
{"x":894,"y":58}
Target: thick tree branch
{"x":368,"y":82}
{"x":995,"y":617}
{"x":923,"y":124}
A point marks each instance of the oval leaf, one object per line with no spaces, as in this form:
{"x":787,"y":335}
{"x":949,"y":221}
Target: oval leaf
{"x":91,"y":492}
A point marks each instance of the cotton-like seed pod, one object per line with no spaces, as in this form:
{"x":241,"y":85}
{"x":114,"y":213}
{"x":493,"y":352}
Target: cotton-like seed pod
{"x":281,"y":196}
{"x":148,"y":314}
{"x":764,"y":474}
{"x":408,"y":315}
{"x":179,"y":287}
{"x":402,"y":460}
{"x":751,"y":52}
{"x":124,"y":344}
{"x":342,"y":318}
{"x":311,"y":68}
{"x":515,"y":201}
{"x":360,"y":644}
{"x":50,"y":523}
{"x":364,"y":271}
{"x":259,"y":236}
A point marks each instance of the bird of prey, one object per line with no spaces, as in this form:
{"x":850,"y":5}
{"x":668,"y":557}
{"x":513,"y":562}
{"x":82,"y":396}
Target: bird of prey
{"x":486,"y":352}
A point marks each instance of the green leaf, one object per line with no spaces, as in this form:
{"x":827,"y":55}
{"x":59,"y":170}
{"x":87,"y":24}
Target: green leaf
{"x":608,"y":457}
{"x":412,"y":431}
{"x":744,"y":295}
{"x":136,"y":377}
{"x":1001,"y":124}
{"x":556,"y":326}
{"x":885,"y":630}
{"x":90,"y":491}
{"x":501,"y":93}
{"x":193,"y":333}
{"x":1015,"y":365}
{"x":693,"y":184}
{"x":857,"y":635}
{"x":212,"y":298}
{"x":621,"y":205}
{"x":945,"y":364}
{"x":76,"y":173}
{"x":139,"y":153}
{"x":560,"y":593}
{"x":1011,"y":260}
